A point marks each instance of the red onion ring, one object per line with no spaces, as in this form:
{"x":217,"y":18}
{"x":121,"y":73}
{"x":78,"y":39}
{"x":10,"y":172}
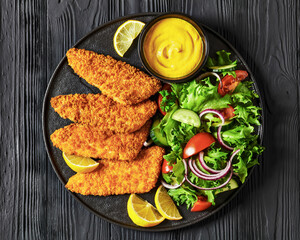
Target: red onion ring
{"x":169,"y":186}
{"x":193,"y":168}
{"x":213,"y":188}
{"x":203,"y":164}
{"x":220,"y":140}
{"x":205,"y":176}
{"x":207,"y":74}
{"x":223,"y":184}
{"x":214,"y":112}
{"x":185,"y":167}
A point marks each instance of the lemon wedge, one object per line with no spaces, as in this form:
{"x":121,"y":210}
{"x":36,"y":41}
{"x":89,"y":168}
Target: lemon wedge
{"x":125,"y":35}
{"x":142,"y":213}
{"x":80,"y":164}
{"x":165,"y":204}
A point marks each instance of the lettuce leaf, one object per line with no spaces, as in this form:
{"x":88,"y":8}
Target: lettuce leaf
{"x":177,"y":135}
{"x":223,"y":59}
{"x":222,"y":63}
{"x":216,"y":157}
{"x":201,"y":95}
{"x":244,"y":138}
{"x":185,"y":195}
{"x":168,"y":100}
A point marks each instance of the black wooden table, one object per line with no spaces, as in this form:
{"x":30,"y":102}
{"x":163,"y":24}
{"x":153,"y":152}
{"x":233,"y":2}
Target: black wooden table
{"x":34,"y":36}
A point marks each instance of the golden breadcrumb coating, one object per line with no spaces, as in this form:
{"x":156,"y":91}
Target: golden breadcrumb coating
{"x":120,"y":177}
{"x":103,"y":112}
{"x":116,"y":79}
{"x":87,"y":141}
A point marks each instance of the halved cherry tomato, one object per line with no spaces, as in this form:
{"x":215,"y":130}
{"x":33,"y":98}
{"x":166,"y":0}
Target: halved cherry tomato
{"x":166,"y":167}
{"x":228,"y":112}
{"x":198,"y":143}
{"x":165,"y":87}
{"x":241,"y":75}
{"x":201,"y":204}
{"x":230,"y":83}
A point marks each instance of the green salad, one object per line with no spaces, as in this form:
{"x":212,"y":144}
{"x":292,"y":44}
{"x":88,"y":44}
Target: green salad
{"x":208,"y":129}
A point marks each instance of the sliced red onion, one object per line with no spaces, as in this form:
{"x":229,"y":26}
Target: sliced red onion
{"x":223,"y":184}
{"x":169,"y":186}
{"x":207,"y":74}
{"x":203,"y":164}
{"x":226,"y":169}
{"x":148,"y":143}
{"x":185,"y":167}
{"x":205,"y":176}
{"x":213,"y":188}
{"x":214,"y":112}
{"x":233,"y":154}
{"x":221,"y":140}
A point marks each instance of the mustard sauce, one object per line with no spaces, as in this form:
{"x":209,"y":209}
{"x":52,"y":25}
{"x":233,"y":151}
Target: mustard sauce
{"x":173,"y":47}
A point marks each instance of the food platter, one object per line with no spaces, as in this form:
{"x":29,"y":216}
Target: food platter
{"x":65,"y":81}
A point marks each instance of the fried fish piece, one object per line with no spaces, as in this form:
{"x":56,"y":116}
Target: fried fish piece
{"x":87,"y":141}
{"x":103,"y":112}
{"x":116,"y":79}
{"x":120,"y":177}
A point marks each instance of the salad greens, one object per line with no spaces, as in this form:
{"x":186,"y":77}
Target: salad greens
{"x":197,"y":96}
{"x":222,"y":64}
{"x":200,"y":95}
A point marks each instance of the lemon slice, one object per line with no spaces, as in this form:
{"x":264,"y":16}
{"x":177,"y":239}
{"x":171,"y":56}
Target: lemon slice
{"x":125,"y":35}
{"x":143,"y":213}
{"x":80,"y":164}
{"x":165,"y":205}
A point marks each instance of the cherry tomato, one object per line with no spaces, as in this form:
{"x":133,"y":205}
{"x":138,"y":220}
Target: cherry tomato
{"x":227,"y":112}
{"x":198,"y":143}
{"x":201,"y":204}
{"x":241,"y":75}
{"x":166,"y":168}
{"x":165,"y":87}
{"x":230,"y":83}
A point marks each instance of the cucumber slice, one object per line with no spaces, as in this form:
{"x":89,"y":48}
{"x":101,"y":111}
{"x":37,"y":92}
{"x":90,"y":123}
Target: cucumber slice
{"x":186,"y":116}
{"x":230,"y":186}
{"x":156,"y":135}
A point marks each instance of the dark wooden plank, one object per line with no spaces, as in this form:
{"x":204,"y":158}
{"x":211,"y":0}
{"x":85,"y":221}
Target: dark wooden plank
{"x":34,"y":36}
{"x":70,"y":220}
{"x":23,"y":160}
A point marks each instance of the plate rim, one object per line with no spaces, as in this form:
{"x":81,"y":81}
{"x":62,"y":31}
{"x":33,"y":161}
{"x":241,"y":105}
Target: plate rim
{"x":170,"y":228}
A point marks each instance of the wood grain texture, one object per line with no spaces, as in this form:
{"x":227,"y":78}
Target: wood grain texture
{"x":34,"y":36}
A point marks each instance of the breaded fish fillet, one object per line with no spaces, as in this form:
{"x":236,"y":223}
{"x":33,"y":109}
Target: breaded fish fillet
{"x":120,"y":177}
{"x":87,"y":141}
{"x":103,"y":112}
{"x":116,"y":79}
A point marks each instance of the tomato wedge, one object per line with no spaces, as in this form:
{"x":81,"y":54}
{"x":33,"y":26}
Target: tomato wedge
{"x":201,"y":204}
{"x":198,"y":143}
{"x":230,"y":83}
{"x":228,"y":112}
{"x":166,"y":168}
{"x":159,"y":100}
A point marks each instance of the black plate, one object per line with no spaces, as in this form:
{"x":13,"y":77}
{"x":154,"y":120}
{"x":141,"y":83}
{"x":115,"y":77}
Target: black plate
{"x":64,"y":81}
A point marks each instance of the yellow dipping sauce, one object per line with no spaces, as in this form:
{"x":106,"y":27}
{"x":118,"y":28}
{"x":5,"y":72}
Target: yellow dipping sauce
{"x":173,"y":47}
